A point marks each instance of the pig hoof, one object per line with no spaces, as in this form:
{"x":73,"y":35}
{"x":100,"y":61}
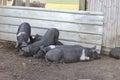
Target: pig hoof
{"x":87,"y":58}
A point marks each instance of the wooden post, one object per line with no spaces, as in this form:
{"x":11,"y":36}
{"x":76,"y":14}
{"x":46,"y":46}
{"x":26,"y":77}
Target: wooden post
{"x":82,"y":4}
{"x":111,"y":11}
{"x":4,"y":2}
{"x":18,"y":2}
{"x":0,"y":2}
{"x":27,"y":3}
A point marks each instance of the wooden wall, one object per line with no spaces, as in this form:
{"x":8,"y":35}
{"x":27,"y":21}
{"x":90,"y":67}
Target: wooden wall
{"x":111,"y":9}
{"x":76,"y":27}
{"x":81,"y":4}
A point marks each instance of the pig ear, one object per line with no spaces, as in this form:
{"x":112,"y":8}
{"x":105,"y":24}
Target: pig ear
{"x":94,"y":49}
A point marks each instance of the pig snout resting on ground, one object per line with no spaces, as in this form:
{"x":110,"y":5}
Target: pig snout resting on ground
{"x":23,"y":34}
{"x":50,"y":38}
{"x":115,"y":53}
{"x":71,"y":54}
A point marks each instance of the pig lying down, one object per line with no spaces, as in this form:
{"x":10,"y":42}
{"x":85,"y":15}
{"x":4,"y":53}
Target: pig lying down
{"x":23,"y":35}
{"x":71,"y":54}
{"x":67,"y":53}
{"x":50,"y":38}
{"x":115,"y":53}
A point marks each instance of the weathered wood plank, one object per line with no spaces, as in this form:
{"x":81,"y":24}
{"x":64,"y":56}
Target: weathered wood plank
{"x":27,"y":3}
{"x":53,"y":16}
{"x":54,"y":10}
{"x":17,"y":2}
{"x":92,"y":29}
{"x":110,"y":9}
{"x":7,"y":36}
{"x":105,"y":50}
{"x":65,"y":35}
{"x":84,"y":38}
{"x":118,"y":26}
{"x":4,"y":2}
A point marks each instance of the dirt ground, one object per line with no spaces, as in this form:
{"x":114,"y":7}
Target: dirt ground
{"x":15,"y":67}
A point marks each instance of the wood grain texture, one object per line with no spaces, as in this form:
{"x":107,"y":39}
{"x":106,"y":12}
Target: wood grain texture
{"x":53,"y":10}
{"x":4,"y":2}
{"x":53,"y":16}
{"x":118,"y":26}
{"x":111,"y":22}
{"x":72,"y":27}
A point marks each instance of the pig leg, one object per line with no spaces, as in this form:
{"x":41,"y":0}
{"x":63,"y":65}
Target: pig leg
{"x":17,"y":44}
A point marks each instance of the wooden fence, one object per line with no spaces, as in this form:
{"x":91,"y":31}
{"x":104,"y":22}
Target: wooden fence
{"x":76,"y":27}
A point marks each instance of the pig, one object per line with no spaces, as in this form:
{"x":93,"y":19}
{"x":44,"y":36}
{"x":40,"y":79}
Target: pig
{"x":115,"y":53}
{"x":71,"y":54}
{"x":67,"y":53}
{"x":50,"y":38}
{"x":23,"y":35}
